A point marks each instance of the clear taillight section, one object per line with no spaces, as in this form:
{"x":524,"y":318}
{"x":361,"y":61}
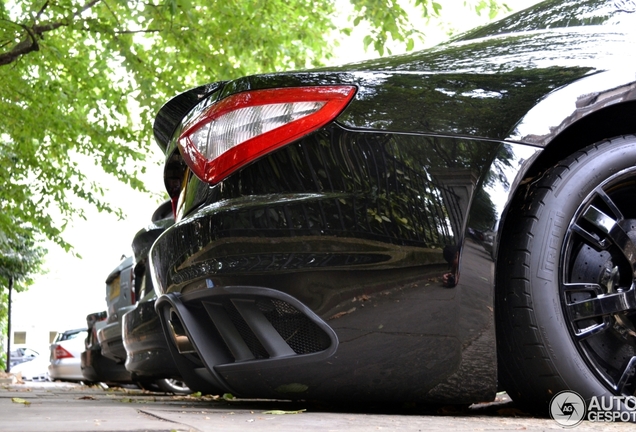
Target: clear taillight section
{"x":245,"y":126}
{"x":236,"y":127}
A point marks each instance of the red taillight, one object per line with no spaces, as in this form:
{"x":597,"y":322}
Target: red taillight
{"x":61,"y":353}
{"x":244,"y":126}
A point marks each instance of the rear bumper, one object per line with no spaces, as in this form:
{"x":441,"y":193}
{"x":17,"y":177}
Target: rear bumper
{"x":110,"y":339}
{"x":97,"y":368}
{"x":110,"y":336}
{"x":231,"y":334}
{"x":147,"y":351}
{"x":66,"y":369}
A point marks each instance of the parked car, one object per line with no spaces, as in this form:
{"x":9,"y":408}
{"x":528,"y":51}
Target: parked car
{"x":144,"y":361}
{"x":95,"y":366}
{"x":28,"y":363}
{"x":36,"y":369}
{"x":120,"y":298}
{"x":314,"y":208}
{"x":21,"y":353}
{"x":147,"y":356}
{"x":65,"y":359}
{"x":104,"y":355}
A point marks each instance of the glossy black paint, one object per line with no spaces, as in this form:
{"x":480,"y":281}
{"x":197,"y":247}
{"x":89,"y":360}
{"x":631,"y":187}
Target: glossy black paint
{"x":343,"y":232}
{"x":146,"y":347}
{"x":385,"y":223}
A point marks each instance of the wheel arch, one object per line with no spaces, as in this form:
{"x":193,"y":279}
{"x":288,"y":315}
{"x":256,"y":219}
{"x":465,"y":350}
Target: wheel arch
{"x":608,"y":122}
{"x":611,"y":121}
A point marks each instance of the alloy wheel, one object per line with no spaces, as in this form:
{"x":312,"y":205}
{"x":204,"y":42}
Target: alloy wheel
{"x":598,"y":289}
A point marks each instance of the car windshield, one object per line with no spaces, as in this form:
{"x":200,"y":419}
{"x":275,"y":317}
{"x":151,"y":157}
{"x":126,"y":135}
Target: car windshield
{"x":23,"y":352}
{"x":67,"y":335}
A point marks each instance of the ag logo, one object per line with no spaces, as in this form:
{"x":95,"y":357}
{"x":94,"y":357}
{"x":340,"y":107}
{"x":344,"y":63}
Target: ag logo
{"x":567,"y":408}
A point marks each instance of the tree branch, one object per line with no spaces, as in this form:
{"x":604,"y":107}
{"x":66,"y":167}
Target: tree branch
{"x":41,"y":11}
{"x":26,"y":46}
{"x":36,"y":32}
{"x":137,"y":31}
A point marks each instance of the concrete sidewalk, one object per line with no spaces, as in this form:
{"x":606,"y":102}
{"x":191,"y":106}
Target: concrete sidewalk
{"x":65,"y":407}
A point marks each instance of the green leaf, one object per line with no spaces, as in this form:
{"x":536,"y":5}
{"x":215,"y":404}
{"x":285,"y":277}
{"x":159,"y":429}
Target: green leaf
{"x":280,"y":412}
{"x":367,"y":41}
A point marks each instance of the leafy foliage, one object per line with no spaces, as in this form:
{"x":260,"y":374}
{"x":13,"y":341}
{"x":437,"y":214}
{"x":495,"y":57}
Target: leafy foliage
{"x":19,"y":257}
{"x":82,"y":81}
{"x":392,"y":20}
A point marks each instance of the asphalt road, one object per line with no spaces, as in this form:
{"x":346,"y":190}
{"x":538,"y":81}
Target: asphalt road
{"x":67,"y":407}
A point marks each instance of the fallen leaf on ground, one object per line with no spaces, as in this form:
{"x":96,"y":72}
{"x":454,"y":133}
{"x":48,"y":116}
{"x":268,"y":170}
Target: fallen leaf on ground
{"x":196,"y":397}
{"x":20,"y":401}
{"x":341,"y":314}
{"x":281,"y":412}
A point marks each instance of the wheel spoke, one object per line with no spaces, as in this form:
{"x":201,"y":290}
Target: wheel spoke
{"x":627,"y":375}
{"x":590,"y":239}
{"x":609,"y":226}
{"x":610,"y":203}
{"x":602,"y":305}
{"x":582,"y":334}
{"x":583,"y":287}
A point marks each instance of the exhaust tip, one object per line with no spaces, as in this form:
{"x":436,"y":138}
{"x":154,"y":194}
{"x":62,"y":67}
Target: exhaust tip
{"x":179,"y":335}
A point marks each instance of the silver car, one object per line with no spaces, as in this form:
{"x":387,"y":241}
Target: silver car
{"x":66,"y":351}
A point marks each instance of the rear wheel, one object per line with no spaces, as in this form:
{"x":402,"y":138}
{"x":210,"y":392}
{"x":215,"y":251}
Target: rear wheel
{"x":566,"y":297}
{"x":175,"y":386}
{"x":168,"y":385}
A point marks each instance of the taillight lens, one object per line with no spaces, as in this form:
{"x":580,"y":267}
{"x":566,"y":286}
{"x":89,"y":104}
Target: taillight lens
{"x":61,"y":353}
{"x":242,"y":127}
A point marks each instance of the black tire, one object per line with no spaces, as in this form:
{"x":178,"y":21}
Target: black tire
{"x":148,"y":386}
{"x":566,"y":248}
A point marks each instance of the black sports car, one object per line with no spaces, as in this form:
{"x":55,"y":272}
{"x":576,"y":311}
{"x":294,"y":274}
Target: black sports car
{"x":424,"y":227}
